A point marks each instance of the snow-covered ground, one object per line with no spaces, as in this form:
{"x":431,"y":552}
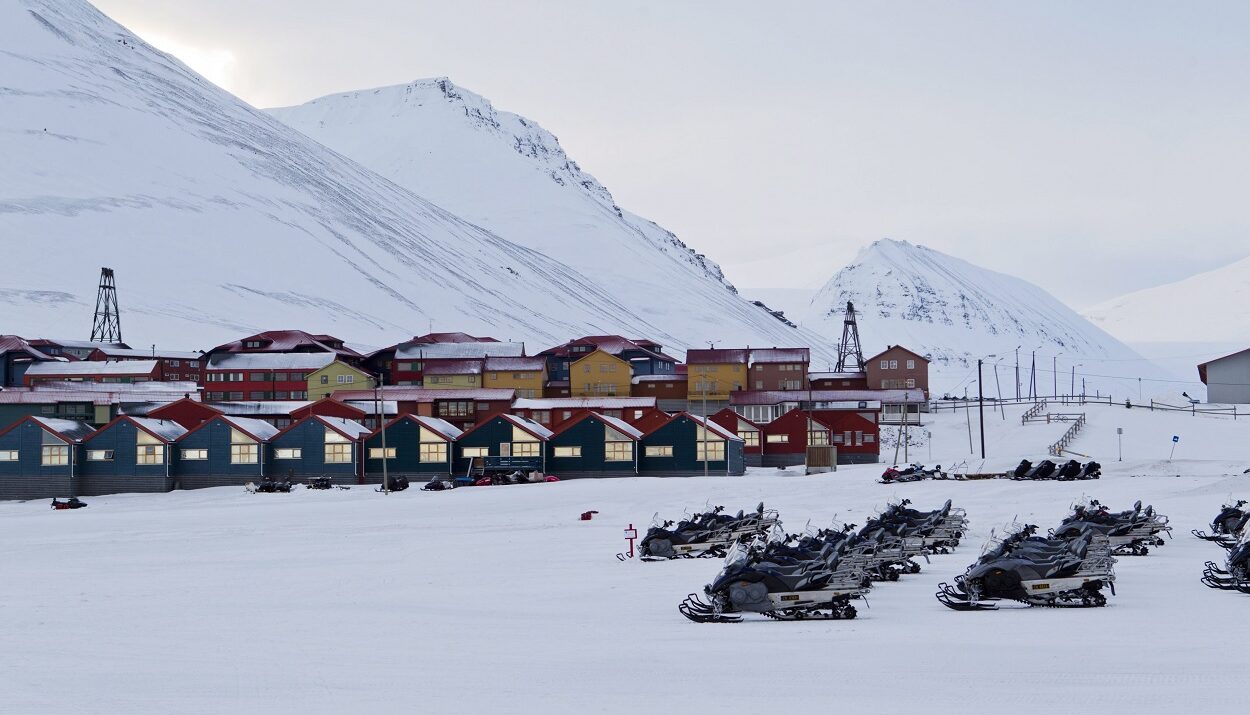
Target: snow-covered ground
{"x":500,"y":600}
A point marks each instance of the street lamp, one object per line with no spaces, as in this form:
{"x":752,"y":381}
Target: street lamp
{"x":1054,"y":374}
{"x":1072,"y":387}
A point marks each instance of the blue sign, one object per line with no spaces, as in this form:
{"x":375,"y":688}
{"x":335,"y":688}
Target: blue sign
{"x":1176,"y":438}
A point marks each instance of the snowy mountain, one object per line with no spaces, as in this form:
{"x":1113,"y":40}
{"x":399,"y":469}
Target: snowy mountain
{"x":507,"y":174}
{"x":1213,"y":307}
{"x":947,"y":308}
{"x":221,"y":220}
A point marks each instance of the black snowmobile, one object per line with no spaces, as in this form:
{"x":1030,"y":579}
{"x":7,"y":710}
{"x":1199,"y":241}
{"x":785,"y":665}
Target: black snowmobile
{"x":781,"y":586}
{"x":394,"y":484}
{"x":706,"y":535}
{"x":1224,"y":527}
{"x":1130,"y":532}
{"x":438,"y":485}
{"x":1235,"y":576}
{"x":71,"y":503}
{"x":1032,"y":571}
{"x":270,"y":486}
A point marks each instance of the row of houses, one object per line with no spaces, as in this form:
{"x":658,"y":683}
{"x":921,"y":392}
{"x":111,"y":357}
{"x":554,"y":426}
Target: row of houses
{"x":42,"y":457}
{"x":287,"y":365}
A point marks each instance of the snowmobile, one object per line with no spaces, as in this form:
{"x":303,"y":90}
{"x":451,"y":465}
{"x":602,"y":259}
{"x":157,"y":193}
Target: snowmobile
{"x":1021,"y":469}
{"x":1044,"y":469}
{"x":269,"y":486}
{"x":394,"y":484}
{"x":706,"y":535}
{"x":781,"y":588}
{"x":438,"y":485}
{"x":1130,"y":532}
{"x":1035,"y":572}
{"x":71,"y":503}
{"x":939,"y":530}
{"x":911,"y":473}
{"x":1236,"y":572}
{"x":1224,"y":527}
{"x":1068,"y":470}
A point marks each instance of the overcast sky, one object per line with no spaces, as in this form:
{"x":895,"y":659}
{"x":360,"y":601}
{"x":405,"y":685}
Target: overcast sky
{"x":1094,"y":148}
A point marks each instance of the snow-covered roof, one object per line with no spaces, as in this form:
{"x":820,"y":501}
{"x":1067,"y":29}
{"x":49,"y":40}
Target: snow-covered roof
{"x":79,"y":344}
{"x":713,"y":428}
{"x":348,"y":428}
{"x":167,"y":430}
{"x":529,"y":425}
{"x":150,"y":390}
{"x":440,"y":426}
{"x":260,"y":407}
{"x":93,"y":367}
{"x":14,"y":343}
{"x":506,"y":364}
{"x":718,"y":356}
{"x":55,"y":393}
{"x":612,"y":345}
{"x":836,"y":376}
{"x":130,"y":353}
{"x":369,"y":407}
{"x":776,"y":397}
{"x":582,"y":403}
{"x":405,"y":393}
{"x":72,"y":430}
{"x":258,"y":429}
{"x":660,"y":378}
{"x":452,"y":351}
{"x":780,"y":355}
{"x":282,"y":341}
{"x":468,"y":366}
{"x":270,"y":361}
{"x":620,"y":426}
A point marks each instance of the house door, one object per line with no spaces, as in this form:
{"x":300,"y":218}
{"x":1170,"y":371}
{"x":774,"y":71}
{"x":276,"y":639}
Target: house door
{"x":505,"y":449}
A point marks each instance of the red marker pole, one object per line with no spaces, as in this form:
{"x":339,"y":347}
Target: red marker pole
{"x":630,"y":534}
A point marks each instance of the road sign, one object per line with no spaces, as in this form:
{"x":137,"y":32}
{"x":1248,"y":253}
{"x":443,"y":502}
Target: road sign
{"x":1119,"y":430}
{"x":1176,"y":438}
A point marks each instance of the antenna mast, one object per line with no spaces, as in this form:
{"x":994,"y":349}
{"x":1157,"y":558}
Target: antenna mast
{"x":850,"y":354}
{"x":106,"y":327}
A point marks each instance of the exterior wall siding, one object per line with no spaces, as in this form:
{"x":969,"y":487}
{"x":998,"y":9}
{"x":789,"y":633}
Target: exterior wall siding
{"x":323,"y":382}
{"x":123,"y":474}
{"x":404,"y":437}
{"x":682,"y":435}
{"x":589,"y":435}
{"x":599,"y":374}
{"x":27,"y":478}
{"x":217,"y":470}
{"x":719,"y":379}
{"x":309,"y":438}
{"x":1228,"y":380}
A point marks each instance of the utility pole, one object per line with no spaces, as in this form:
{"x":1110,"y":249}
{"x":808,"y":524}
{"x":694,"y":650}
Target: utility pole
{"x":704,"y":425}
{"x":1054,"y":375}
{"x":981,"y":407}
{"x":106,"y":326}
{"x":999,"y":387}
{"x":377,"y":402}
{"x":1017,"y":373}
{"x":1033,"y":377}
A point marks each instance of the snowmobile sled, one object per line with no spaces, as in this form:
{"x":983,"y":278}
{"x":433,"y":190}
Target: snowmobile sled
{"x":394,"y":484}
{"x":1225,"y":525}
{"x":269,"y":486}
{"x":1235,"y":576}
{"x":438,"y":485}
{"x":71,"y":503}
{"x":706,"y":535}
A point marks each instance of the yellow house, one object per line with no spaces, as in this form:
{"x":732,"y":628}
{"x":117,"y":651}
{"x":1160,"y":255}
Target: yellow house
{"x":715,"y":373}
{"x":460,"y":374}
{"x":597,"y":374}
{"x":337,"y":376}
{"x":526,"y":375}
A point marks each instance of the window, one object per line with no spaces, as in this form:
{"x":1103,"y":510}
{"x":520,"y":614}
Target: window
{"x":258,"y":395}
{"x":8,"y":455}
{"x":251,"y":343}
{"x":299,"y":376}
{"x":188,"y":455}
{"x":526,"y":449}
{"x":325,"y":379}
{"x":244,"y":453}
{"x":175,"y":363}
{"x":911,"y":364}
{"x":377,"y":453}
{"x":911,"y":382}
{"x":837,"y":438}
{"x":172,"y":376}
{"x":750,"y":439}
{"x":346,"y":379}
{"x":281,"y":395}
{"x":48,"y":409}
{"x":568,"y":451}
{"x":759,"y":384}
{"x":482,"y":406}
{"x":494,"y":376}
{"x":150,"y":454}
{"x":659,"y":451}
{"x":870,"y":438}
{"x":438,"y":379}
{"x":193,"y":364}
{"x":885,"y":364}
{"x":894,"y":364}
{"x":792,"y":385}
{"x":288,"y":453}
{"x":260,"y":377}
{"x":618,"y":451}
{"x":474,"y":451}
{"x":433,"y":452}
{"x":778,"y":439}
{"x":818,"y":437}
{"x":715,"y":451}
{"x":279,"y":377}
{"x":458,"y":408}
{"x":299,"y":394}
{"x":638,"y":414}
{"x":542,"y":417}
{"x":339,"y":453}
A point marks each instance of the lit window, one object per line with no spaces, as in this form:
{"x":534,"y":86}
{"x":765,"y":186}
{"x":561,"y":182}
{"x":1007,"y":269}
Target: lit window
{"x":659,"y":451}
{"x":885,"y":364}
{"x":433,"y":452}
{"x":750,"y":439}
{"x":525,"y":449}
{"x":618,"y":451}
{"x":568,"y":451}
{"x":150,"y":454}
{"x":188,"y":455}
{"x":818,"y":437}
{"x":911,"y":382}
{"x":474,"y":451}
{"x":288,"y":453}
{"x":340,"y":453}
{"x":911,"y":364}
{"x":244,"y":454}
{"x":376,"y":452}
{"x":8,"y":455}
{"x":778,"y":439}
{"x":715,"y":451}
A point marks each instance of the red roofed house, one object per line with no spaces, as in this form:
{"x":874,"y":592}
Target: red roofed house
{"x":123,"y":371}
{"x":290,"y":341}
